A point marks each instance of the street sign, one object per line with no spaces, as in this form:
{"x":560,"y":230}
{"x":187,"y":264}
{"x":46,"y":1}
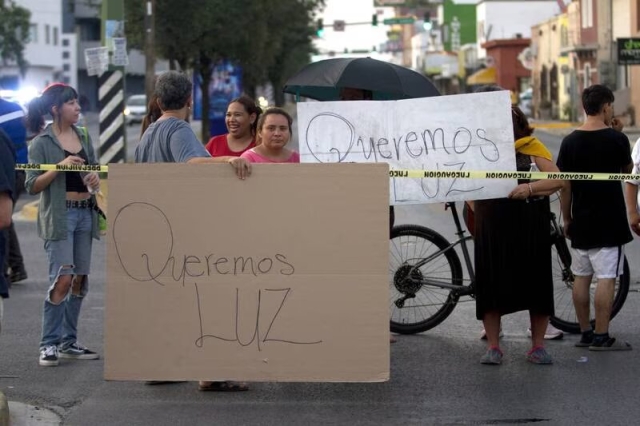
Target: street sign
{"x":401,"y":20}
{"x":338,"y":25}
{"x":629,"y":51}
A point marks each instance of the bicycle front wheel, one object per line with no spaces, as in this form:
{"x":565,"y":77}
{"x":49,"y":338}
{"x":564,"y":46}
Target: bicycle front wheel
{"x":417,"y":302}
{"x":565,"y":315}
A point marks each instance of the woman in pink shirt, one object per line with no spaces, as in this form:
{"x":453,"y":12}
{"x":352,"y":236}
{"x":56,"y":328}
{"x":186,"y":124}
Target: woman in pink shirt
{"x":274,"y":133}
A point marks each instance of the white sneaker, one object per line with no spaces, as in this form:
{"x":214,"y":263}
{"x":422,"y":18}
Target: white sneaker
{"x":49,"y":356}
{"x":551,"y":333}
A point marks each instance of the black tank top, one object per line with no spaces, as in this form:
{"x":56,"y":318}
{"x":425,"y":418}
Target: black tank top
{"x":74,"y":179}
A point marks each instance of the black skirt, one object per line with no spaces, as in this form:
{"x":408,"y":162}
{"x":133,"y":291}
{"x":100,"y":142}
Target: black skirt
{"x":513,"y":256}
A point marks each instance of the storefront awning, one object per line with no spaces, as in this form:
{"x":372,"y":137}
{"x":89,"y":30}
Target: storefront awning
{"x":483,"y":76}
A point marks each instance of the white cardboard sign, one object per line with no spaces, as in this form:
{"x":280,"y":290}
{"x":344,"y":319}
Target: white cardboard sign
{"x":451,"y":134}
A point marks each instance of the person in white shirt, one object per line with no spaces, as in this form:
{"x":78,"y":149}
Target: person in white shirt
{"x":632,"y":197}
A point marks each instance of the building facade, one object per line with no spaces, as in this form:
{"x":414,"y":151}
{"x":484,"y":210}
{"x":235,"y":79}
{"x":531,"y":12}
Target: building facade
{"x":43,"y":52}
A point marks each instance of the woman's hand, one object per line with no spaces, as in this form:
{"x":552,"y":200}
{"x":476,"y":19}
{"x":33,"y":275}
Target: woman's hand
{"x":521,"y":192}
{"x":72,"y":160}
{"x":242,"y":167}
{"x":92,"y":180}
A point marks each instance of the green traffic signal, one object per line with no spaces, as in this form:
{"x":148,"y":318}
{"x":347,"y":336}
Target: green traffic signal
{"x":374,"y":20}
{"x":319,"y":28}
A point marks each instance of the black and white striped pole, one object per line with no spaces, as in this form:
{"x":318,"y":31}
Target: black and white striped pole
{"x":111,"y":89}
{"x":112,"y":147}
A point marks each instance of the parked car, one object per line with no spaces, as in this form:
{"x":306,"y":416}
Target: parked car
{"x":135,"y":109}
{"x":525,"y":102}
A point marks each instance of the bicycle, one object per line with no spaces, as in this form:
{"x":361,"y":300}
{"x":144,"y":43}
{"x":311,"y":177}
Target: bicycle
{"x":431,"y":280}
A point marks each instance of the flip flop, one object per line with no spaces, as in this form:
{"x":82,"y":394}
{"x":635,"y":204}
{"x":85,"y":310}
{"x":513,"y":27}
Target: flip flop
{"x":223,"y":387}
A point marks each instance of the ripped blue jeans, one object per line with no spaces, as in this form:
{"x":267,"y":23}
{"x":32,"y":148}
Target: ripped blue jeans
{"x":71,"y":256}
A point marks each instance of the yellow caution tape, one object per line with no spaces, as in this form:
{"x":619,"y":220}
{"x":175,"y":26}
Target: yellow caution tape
{"x":419,"y":174}
{"x":439,"y":174}
{"x":63,"y":168}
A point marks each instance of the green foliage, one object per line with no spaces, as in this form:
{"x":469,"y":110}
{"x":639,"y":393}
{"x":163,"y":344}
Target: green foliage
{"x":14,"y":33}
{"x":267,"y":38}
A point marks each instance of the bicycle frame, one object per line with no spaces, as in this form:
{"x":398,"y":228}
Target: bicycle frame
{"x":556,"y":235}
{"x":461,"y":290}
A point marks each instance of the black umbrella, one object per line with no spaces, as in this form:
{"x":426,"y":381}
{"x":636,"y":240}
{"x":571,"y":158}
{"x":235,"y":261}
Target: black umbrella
{"x":323,"y":80}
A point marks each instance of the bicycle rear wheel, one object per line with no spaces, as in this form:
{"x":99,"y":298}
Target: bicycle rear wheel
{"x":417,"y":305}
{"x":565,"y":315}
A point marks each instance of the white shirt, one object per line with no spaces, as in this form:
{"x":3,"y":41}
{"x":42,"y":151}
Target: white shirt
{"x":635,"y":158}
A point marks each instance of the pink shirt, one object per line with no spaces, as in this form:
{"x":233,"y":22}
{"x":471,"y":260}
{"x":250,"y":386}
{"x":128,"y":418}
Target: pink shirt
{"x":254,"y":157}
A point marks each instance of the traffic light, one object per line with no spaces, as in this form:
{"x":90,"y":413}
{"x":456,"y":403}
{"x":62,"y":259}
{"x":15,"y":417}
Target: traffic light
{"x":427,"y":25}
{"x":319,"y":28}
{"x":374,"y":20}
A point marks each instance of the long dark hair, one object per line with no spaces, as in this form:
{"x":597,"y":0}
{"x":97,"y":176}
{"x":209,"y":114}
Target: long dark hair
{"x":153,"y":113}
{"x":521,"y":128}
{"x":54,"y":95}
{"x":250,"y":107}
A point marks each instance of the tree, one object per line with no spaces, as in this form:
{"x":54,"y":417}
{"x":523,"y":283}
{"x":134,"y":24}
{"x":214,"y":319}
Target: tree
{"x":296,"y":29}
{"x":196,"y":35}
{"x":14,"y":34}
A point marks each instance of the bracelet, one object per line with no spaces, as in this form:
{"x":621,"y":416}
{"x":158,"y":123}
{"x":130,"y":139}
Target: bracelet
{"x":530,"y":190}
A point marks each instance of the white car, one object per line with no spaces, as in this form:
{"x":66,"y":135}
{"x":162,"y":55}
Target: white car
{"x":525,"y":102}
{"x":135,"y":109}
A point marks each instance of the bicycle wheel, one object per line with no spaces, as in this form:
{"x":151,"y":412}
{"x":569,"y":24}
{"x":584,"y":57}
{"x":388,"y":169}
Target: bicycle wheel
{"x":419,"y":304}
{"x":565,"y":315}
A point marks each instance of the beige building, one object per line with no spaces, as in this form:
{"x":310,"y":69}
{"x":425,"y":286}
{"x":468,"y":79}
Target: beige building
{"x":552,"y":70}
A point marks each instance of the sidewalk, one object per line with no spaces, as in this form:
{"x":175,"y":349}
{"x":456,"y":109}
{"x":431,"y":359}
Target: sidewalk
{"x":563,"y":128}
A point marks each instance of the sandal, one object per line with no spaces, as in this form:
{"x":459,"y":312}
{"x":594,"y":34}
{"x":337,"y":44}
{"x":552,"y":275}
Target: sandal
{"x":223,"y":387}
{"x":611,"y":344}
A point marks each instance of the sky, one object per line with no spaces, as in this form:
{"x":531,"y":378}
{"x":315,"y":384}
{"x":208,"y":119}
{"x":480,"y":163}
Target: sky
{"x":355,"y":36}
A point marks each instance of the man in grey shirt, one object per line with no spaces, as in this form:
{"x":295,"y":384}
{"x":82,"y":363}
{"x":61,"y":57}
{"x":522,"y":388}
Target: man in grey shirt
{"x":170,"y":139}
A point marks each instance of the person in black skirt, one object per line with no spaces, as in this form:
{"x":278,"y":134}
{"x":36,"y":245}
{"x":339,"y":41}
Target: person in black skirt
{"x":513,"y":250}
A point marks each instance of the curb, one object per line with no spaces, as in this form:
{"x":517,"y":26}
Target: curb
{"x":4,"y":410}
{"x":28,"y":213}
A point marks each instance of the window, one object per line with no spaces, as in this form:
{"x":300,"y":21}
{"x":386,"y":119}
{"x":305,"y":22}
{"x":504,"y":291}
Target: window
{"x":66,"y":67}
{"x":586,"y":12}
{"x":33,"y":33}
{"x":47,"y":34}
{"x":564,"y":36}
{"x":65,"y":42}
{"x":55,"y":36}
{"x":65,"y":55}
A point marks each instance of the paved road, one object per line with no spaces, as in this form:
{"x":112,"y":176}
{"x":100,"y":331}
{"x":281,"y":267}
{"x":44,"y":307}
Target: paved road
{"x":435,"y":376}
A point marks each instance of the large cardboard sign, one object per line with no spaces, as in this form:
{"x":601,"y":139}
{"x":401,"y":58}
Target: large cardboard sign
{"x":447,"y":134}
{"x":280,"y":277}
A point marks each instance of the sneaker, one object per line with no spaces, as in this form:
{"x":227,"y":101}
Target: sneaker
{"x":483,"y":335}
{"x":539,"y":355}
{"x":586,"y":339}
{"x":610,"y":344}
{"x":19,"y":275}
{"x":49,"y":356}
{"x":493,"y":356}
{"x":77,"y":351}
{"x":551,"y":333}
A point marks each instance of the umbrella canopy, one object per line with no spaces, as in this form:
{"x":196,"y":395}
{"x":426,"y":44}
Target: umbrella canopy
{"x":323,"y":80}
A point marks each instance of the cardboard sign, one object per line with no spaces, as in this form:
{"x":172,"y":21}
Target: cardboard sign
{"x":280,"y":277}
{"x":446,"y":133}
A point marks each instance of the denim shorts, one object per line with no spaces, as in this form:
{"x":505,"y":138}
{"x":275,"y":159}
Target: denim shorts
{"x":72,"y":256}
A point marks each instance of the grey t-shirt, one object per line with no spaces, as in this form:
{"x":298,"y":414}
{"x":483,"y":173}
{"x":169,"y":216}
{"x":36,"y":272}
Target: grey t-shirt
{"x":169,"y":141}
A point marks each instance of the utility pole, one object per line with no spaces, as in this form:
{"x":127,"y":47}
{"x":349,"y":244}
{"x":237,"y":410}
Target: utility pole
{"x":149,"y":47}
{"x":112,"y":145}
